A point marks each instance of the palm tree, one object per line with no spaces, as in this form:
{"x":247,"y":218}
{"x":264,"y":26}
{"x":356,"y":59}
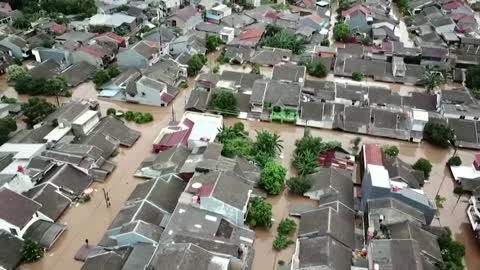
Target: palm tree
{"x":306,"y":162}
{"x":432,"y":80}
{"x":269,"y":143}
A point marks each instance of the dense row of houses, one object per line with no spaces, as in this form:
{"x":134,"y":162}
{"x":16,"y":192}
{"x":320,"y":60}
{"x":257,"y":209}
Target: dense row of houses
{"x":44,"y":170}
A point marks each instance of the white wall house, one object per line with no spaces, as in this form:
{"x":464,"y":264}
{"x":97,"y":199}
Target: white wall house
{"x":86,"y":122}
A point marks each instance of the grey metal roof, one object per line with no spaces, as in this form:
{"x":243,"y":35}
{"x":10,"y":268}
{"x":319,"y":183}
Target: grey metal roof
{"x":45,"y":233}
{"x":333,"y":182}
{"x":334,"y":220}
{"x":323,"y":253}
{"x":181,"y":257}
{"x":115,"y":128}
{"x":70,"y":179}
{"x":397,"y":169}
{"x":45,"y":70}
{"x":396,"y":254}
{"x":15,"y":208}
{"x":282,"y":94}
{"x":53,"y":202}
{"x":139,"y":256}
{"x":198,"y":101}
{"x":10,"y":250}
{"x":78,"y":73}
{"x":394,"y":211}
{"x":287,"y":72}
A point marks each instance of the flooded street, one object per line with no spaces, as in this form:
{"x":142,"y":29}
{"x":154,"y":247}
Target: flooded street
{"x":452,"y":215}
{"x":91,"y":220}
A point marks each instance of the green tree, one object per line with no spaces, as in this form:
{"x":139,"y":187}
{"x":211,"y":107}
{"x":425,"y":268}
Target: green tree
{"x":21,"y":23}
{"x":423,"y":165}
{"x":391,"y":150}
{"x":438,"y":134}
{"x":7,"y":125}
{"x":228,"y":133}
{"x":366,"y":40}
{"x":16,"y":73}
{"x":325,"y":42}
{"x":342,"y":32}
{"x":268,"y":143}
{"x":213,"y":41}
{"x":439,"y":201}
{"x":8,"y":100}
{"x":432,"y":80}
{"x":272,"y":178}
{"x":286,"y":227}
{"x":31,"y":251}
{"x":281,"y":242}
{"x":195,"y":64}
{"x":259,"y":213}
{"x":284,"y":40}
{"x":113,"y":71}
{"x":112,"y":111}
{"x":356,"y":144}
{"x":472,"y":79}
{"x":56,"y":86}
{"x":452,"y":251}
{"x":357,"y":76}
{"x":238,"y":147}
{"x":306,"y":162}
{"x":317,"y":69}
{"x":36,"y":109}
{"x":223,"y":102}
{"x":298,"y":185}
{"x":454,"y":161}
{"x":101,"y":77}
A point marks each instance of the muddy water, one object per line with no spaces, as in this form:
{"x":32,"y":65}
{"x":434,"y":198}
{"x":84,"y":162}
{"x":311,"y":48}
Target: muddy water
{"x":91,"y":220}
{"x":452,"y":215}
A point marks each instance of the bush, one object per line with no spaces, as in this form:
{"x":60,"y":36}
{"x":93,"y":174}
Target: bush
{"x":36,"y":109}
{"x":298,"y":185}
{"x":216,"y":68}
{"x":195,"y":64}
{"x":255,"y":69}
{"x":286,"y":227}
{"x":342,"y":32}
{"x":423,"y":165}
{"x":391,"y":150}
{"x":272,"y":178}
{"x":283,"y":40}
{"x":439,"y":201}
{"x":317,"y":70}
{"x":472,"y":79}
{"x":223,"y":102}
{"x":31,"y":251}
{"x":325,"y":42}
{"x":281,"y":242}
{"x":458,"y":190}
{"x":454,"y":161}
{"x":281,"y":262}
{"x":438,"y":134}
{"x":452,"y":251}
{"x":184,"y":85}
{"x":111,"y":111}
{"x":16,"y":73}
{"x":213,"y":41}
{"x":260,"y":213}
{"x":357,"y":76}
{"x":138,"y":117}
{"x":7,"y":125}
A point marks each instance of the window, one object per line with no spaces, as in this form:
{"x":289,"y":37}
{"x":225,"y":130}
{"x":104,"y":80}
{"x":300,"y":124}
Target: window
{"x":13,"y":231}
{"x":462,"y":116}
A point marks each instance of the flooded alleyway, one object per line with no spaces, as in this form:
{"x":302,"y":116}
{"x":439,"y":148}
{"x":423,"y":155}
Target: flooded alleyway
{"x":452,"y":215}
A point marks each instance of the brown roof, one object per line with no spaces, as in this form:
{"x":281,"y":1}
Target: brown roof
{"x":16,"y":209}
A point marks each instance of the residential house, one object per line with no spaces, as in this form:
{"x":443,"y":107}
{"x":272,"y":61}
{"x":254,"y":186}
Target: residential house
{"x":280,"y":99}
{"x":376,"y":183}
{"x":11,"y":250}
{"x":185,"y":19}
{"x":322,"y":252}
{"x":248,"y":38}
{"x":271,"y":56}
{"x":194,"y":130}
{"x":289,"y":73}
{"x":78,"y":73}
{"x":238,"y":55}
{"x":435,"y":56}
{"x":222,"y":193}
{"x":141,"y":55}
{"x":388,"y":253}
{"x":45,"y":70}
{"x":116,"y":22}
{"x":168,"y":71}
{"x":61,"y":56}
{"x":162,"y":36}
{"x":238,"y":81}
{"x":468,"y":176}
{"x":17,"y":45}
{"x":188,"y":43}
{"x":149,"y":91}
{"x":118,"y":86}
{"x":81,"y":37}
{"x":359,"y":18}
{"x":94,"y":54}
{"x":217,"y":12}
{"x":112,"y":37}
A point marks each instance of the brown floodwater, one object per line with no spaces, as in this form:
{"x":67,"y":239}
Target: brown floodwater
{"x":90,"y":220}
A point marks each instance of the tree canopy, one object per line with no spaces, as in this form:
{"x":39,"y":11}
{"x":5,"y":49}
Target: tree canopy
{"x":51,"y":87}
{"x":438,"y":134}
{"x":298,"y":185}
{"x":224,"y":102}
{"x":286,"y":227}
{"x":283,"y":40}
{"x":259,"y":213}
{"x":36,"y":109}
{"x":268,"y":143}
{"x":342,"y":32}
{"x":102,"y":76}
{"x":391,"y":150}
{"x":432,"y":80}
{"x":423,"y":165}
{"x":473,"y":77}
{"x":31,"y":251}
{"x":213,"y":41}
{"x":7,"y":125}
{"x":195,"y":64}
{"x":272,"y":177}
{"x":16,"y":73}
{"x":452,"y":251}
{"x":317,"y":69}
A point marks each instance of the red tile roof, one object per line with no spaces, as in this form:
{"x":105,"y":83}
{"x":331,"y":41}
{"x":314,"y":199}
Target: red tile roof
{"x":251,"y":34}
{"x":166,"y":97}
{"x":92,"y":52}
{"x":452,"y":5}
{"x":272,"y":14}
{"x":308,"y":3}
{"x":113,"y":36}
{"x":358,"y":7}
{"x":315,"y":18}
{"x":373,"y":154}
{"x":58,"y":28}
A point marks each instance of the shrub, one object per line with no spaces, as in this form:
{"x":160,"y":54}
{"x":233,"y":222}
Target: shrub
{"x":111,"y":111}
{"x":272,"y":178}
{"x":317,"y":70}
{"x":216,"y":68}
{"x":325,"y":42}
{"x":342,"y":32}
{"x":223,"y":102}
{"x":439,"y":201}
{"x":391,"y":150}
{"x":286,"y":227}
{"x":423,"y":165}
{"x":298,"y":185}
{"x":281,"y":242}
{"x":438,"y":134}
{"x":454,"y":161}
{"x":31,"y":251}
{"x":184,"y":85}
{"x":357,"y":76}
{"x":260,"y":213}
{"x":458,"y":190}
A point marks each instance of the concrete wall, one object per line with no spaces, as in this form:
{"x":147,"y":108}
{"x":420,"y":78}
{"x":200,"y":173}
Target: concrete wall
{"x":146,"y":95}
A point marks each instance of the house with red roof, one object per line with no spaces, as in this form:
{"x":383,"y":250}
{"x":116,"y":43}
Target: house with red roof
{"x":58,"y":29}
{"x":112,"y":37}
{"x":359,"y":18}
{"x":94,"y":54}
{"x":250,"y":38}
